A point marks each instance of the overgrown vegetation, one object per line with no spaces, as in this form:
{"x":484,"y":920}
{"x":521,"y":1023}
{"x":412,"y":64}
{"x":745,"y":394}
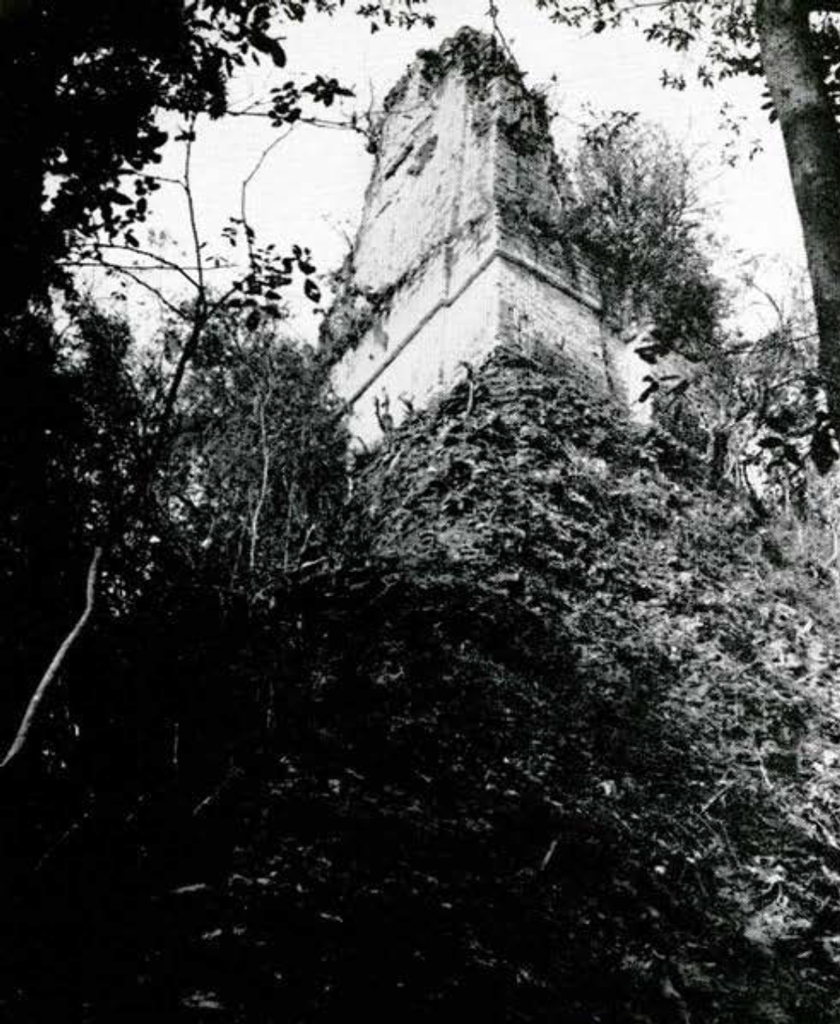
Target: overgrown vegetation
{"x":522,"y":721}
{"x":551,"y":736}
{"x":258,"y":462}
{"x":635,"y":211}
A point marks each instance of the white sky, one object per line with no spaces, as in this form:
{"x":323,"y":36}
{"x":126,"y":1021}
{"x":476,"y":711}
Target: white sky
{"x":310,"y":189}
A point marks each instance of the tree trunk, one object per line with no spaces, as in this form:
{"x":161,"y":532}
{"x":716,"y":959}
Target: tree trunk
{"x":812,"y":142}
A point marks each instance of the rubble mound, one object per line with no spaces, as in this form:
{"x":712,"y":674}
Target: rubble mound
{"x":569,"y":751}
{"x":557,"y":740}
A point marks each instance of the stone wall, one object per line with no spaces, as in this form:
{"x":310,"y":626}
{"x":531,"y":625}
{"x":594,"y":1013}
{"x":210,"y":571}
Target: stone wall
{"x":461,"y":245}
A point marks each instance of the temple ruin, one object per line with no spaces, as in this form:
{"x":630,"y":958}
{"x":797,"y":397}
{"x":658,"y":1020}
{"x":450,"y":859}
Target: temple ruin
{"x":461,"y":246}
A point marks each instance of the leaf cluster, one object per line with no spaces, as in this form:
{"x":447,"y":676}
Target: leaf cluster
{"x":94,"y":79}
{"x":634,"y":210}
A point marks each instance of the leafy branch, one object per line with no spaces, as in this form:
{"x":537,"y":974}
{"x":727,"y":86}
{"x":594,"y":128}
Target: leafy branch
{"x":263,"y":276}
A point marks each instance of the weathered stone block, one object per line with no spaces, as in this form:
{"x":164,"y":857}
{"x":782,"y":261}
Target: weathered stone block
{"x":461,"y":246}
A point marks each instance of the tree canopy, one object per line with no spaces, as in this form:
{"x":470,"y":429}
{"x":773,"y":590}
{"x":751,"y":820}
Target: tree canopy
{"x":80,"y":87}
{"x":635,"y":209}
{"x":795,"y":46}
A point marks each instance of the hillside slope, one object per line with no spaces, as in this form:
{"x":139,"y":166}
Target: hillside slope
{"x":558,"y":741}
{"x":627,"y":709}
{"x":571,"y":751}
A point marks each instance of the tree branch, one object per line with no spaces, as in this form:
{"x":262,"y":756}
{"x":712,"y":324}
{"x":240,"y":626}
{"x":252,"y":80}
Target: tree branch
{"x":266,"y":467}
{"x":192,"y":214}
{"x":199,"y":318}
{"x":493,"y":15}
{"x":243,"y":195}
{"x":140,"y":268}
{"x":56,"y":663}
{"x":162,"y":260}
{"x":129,"y":273}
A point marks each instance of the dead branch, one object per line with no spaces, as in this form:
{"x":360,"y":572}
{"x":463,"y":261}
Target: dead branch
{"x":493,"y":15}
{"x":197,"y":246}
{"x":129,"y":273}
{"x":56,"y":663}
{"x":264,"y":482}
{"x":243,"y":194}
{"x":162,"y":262}
{"x":233,"y":775}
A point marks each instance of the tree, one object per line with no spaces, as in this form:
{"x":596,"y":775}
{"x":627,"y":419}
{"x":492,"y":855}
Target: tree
{"x":255,"y":470}
{"x":796,"y":75}
{"x":795,"y":45}
{"x":69,"y":452}
{"x":80,"y":86}
{"x":635,"y":208}
{"x":758,"y":402}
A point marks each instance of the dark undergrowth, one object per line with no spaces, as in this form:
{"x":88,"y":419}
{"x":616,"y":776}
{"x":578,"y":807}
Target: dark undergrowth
{"x":551,"y":738}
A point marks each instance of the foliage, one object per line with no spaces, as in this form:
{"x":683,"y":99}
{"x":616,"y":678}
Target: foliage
{"x":551,"y":737}
{"x":93,"y":78}
{"x":724,"y":33}
{"x":71,"y":441}
{"x":634,"y":208}
{"x":256,"y":466}
{"x":586,"y":719}
{"x":759,"y":409}
{"x":40,"y":430}
{"x":794,"y":46}
{"x":94,"y":83}
{"x":547,"y":733}
{"x":480,"y":59}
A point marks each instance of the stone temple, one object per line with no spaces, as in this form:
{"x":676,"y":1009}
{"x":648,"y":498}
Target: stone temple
{"x":461,"y":245}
